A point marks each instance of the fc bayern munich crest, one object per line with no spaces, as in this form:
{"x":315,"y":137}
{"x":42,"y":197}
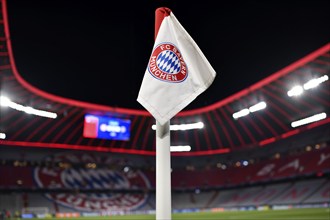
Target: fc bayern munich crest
{"x":100,"y":178}
{"x":167,"y":64}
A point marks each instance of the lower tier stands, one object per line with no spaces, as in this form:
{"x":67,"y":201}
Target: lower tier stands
{"x":74,"y":185}
{"x":302,"y":192}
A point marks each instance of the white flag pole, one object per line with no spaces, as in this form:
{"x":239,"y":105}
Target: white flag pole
{"x":163,"y":153}
{"x":165,"y":100}
{"x":163,"y":172}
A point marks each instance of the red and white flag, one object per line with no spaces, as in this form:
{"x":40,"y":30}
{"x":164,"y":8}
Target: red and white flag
{"x":176,"y":74}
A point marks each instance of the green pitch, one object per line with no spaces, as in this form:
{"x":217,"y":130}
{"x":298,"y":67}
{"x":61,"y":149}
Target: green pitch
{"x":292,"y":214}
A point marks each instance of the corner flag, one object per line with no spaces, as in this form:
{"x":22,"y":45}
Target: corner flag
{"x":176,"y":74}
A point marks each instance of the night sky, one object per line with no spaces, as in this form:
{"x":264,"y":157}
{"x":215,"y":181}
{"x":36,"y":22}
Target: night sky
{"x":97,"y":51}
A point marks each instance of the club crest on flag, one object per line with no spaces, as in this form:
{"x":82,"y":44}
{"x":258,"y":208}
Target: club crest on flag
{"x":167,"y":64}
{"x":177,"y":71}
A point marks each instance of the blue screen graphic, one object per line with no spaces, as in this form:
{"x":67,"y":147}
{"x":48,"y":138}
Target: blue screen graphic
{"x":106,"y":127}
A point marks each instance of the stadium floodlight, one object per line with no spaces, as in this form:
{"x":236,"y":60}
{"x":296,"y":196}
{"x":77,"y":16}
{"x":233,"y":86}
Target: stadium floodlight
{"x":253,"y":108}
{"x":298,"y":90}
{"x":179,"y":148}
{"x":183,"y":127}
{"x":295,"y":91}
{"x":5,"y":101}
{"x":315,"y":82}
{"x":257,"y":107}
{"x":308,"y":120}
{"x":2,"y":135}
{"x":241,"y":113}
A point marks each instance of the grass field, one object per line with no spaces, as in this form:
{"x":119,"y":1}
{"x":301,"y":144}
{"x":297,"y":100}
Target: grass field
{"x":292,"y":214}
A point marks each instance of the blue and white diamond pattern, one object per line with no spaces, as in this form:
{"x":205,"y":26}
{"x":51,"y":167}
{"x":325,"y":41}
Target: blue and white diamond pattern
{"x":168,"y":62}
{"x":94,"y":179}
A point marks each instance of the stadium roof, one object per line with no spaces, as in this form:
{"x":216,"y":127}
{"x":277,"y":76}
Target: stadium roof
{"x":221,"y":133}
{"x":101,"y":49}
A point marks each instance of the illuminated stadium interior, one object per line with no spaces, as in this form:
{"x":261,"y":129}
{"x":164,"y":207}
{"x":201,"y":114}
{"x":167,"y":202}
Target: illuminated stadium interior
{"x":265,"y":146}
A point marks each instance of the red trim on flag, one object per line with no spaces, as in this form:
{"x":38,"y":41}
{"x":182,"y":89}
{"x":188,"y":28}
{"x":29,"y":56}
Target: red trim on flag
{"x":160,"y":14}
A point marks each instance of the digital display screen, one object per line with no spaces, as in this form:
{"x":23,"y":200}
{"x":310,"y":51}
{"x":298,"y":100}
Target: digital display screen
{"x":105,"y":127}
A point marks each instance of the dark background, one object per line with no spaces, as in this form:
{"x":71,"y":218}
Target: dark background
{"x":97,"y":51}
